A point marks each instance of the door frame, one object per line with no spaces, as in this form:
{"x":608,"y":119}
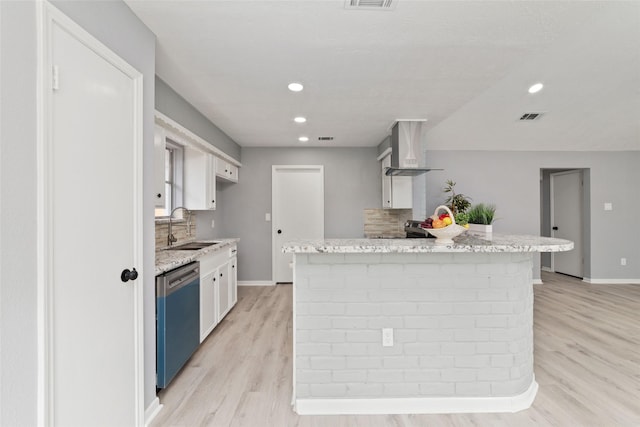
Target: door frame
{"x":274,"y":211}
{"x":47,"y":16}
{"x":552,"y":212}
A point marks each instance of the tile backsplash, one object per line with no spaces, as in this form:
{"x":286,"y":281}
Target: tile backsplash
{"x":386,"y":222}
{"x":182,"y":229}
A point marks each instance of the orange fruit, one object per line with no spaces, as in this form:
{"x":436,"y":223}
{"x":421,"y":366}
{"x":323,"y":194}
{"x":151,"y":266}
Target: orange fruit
{"x":437,"y":223}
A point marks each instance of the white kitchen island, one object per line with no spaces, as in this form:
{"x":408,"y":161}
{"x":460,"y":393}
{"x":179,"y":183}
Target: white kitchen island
{"x":460,"y":316}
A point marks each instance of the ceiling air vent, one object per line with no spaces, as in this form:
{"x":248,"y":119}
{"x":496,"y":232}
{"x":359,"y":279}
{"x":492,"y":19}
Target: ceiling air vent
{"x":325,"y":138}
{"x":370,"y":4}
{"x":527,"y":117}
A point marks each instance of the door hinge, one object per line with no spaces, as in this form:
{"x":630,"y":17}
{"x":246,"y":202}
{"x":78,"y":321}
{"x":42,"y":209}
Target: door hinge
{"x":55,"y":78}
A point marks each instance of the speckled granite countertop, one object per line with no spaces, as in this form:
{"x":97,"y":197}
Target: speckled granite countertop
{"x":463,"y":243}
{"x":168,"y":259}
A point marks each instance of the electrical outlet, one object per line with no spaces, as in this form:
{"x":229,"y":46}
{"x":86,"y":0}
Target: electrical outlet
{"x":623,"y":261}
{"x":387,"y":337}
{"x":608,"y":206}
{"x":213,"y":223}
{"x":267,"y":217}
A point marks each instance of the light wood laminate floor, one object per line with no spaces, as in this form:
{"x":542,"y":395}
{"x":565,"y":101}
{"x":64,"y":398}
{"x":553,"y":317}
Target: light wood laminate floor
{"x":587,"y":363}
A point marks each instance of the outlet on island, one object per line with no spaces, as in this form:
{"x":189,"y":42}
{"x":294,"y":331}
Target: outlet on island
{"x":387,"y":337}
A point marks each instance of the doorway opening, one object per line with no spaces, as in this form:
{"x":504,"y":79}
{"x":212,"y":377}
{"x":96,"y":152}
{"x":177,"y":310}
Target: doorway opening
{"x":564,"y":213}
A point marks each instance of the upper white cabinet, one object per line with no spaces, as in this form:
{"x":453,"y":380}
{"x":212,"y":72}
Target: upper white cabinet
{"x":159,"y":145}
{"x":200,"y":164}
{"x":226,"y":170}
{"x":397,"y":191}
{"x":199,"y":180}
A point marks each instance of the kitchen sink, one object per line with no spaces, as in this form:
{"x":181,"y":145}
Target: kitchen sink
{"x":192,"y":246}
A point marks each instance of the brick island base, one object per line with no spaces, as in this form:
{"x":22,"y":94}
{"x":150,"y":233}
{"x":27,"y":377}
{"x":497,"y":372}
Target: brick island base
{"x":462,"y":332}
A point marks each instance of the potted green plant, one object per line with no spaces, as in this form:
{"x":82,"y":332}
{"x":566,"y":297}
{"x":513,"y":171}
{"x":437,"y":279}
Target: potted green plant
{"x":458,"y":203}
{"x":481,"y":217}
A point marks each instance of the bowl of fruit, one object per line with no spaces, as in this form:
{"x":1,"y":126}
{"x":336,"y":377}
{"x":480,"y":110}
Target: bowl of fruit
{"x":443,"y":226}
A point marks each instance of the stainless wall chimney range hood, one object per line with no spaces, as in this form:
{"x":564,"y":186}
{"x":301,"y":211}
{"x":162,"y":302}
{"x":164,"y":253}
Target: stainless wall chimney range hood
{"x":406,"y":149}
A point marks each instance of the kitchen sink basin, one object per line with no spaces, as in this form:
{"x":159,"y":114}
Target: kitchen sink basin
{"x":192,"y":246}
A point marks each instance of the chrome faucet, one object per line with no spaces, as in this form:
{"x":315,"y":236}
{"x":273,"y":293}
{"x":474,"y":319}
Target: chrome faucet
{"x":171,"y":238}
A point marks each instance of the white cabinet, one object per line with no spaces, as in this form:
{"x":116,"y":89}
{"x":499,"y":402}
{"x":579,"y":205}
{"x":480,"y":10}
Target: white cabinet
{"x":397,"y":191}
{"x":199,"y":180}
{"x":208,"y":303}
{"x":224,"y":302}
{"x":226,"y":170}
{"x":159,"y":144}
{"x":218,"y":288}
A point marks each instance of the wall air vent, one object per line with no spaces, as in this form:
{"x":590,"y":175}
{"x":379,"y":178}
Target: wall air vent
{"x":527,"y":117}
{"x":370,"y":4}
{"x":325,"y":138}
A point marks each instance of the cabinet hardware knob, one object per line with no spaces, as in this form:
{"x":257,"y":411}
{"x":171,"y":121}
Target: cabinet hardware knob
{"x":127,"y":275}
{"x":159,"y":195}
{"x":279,"y":231}
{"x":555,"y":228}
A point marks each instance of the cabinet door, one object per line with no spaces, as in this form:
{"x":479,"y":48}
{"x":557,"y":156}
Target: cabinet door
{"x":386,"y":183}
{"x":224,"y":296}
{"x":159,"y":166}
{"x":211,"y":181}
{"x":199,"y":180}
{"x":233,"y":281}
{"x":208,"y":318}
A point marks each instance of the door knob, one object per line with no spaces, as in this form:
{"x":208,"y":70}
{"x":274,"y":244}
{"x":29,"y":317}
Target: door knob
{"x":128,"y":275}
{"x":555,"y":228}
{"x":279,"y":231}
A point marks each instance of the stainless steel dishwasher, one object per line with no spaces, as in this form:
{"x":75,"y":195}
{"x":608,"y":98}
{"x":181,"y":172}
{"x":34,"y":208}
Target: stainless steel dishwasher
{"x":177,"y":320}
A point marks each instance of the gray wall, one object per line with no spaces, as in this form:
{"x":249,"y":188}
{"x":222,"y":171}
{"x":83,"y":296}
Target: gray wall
{"x":352,"y":183}
{"x":113,"y":23}
{"x":511,"y":180}
{"x":18,"y":313}
{"x":174,"y":106}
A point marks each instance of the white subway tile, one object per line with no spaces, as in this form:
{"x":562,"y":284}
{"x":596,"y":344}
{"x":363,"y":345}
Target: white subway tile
{"x":401,"y":390}
{"x":350,"y":376}
{"x":401,"y":362}
{"x":473,"y":388}
{"x":327,"y":336}
{"x":363,"y":309}
{"x":475,"y":361}
{"x":328,"y":390}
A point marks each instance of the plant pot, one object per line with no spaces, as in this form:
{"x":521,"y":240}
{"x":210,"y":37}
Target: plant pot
{"x":480,"y":228}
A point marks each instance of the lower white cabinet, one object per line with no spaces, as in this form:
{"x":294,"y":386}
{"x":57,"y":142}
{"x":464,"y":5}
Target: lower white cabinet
{"x":218,"y":287}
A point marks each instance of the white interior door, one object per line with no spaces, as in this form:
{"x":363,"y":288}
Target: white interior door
{"x":298,"y":211}
{"x":566,"y":220}
{"x":92,"y":231}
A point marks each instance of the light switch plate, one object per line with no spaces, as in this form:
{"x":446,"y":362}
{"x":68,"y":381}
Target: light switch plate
{"x":608,"y":206}
{"x":267,"y":217}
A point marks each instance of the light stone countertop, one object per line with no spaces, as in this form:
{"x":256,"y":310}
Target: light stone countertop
{"x":168,"y":259}
{"x":463,"y":243}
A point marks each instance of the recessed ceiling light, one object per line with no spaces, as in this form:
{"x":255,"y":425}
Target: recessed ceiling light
{"x":295,"y":87}
{"x":536,"y":88}
{"x":303,"y":139}
{"x":300,"y":119}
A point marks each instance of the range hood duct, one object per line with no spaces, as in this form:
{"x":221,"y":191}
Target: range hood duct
{"x":406,"y":149}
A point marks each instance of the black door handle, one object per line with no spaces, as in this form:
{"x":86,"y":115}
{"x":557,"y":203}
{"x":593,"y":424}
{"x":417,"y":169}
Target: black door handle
{"x":279,"y":231}
{"x":555,"y":228}
{"x":127,"y":275}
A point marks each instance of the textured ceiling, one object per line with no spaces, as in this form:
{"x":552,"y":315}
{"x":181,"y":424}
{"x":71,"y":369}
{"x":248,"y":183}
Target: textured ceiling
{"x":463,"y":65}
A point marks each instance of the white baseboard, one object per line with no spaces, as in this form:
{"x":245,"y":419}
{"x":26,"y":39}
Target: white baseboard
{"x":256,"y":283}
{"x":152,"y":410}
{"x":547,"y":269}
{"x":611,"y":281}
{"x":417,"y":405}
{"x":537,"y":281}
